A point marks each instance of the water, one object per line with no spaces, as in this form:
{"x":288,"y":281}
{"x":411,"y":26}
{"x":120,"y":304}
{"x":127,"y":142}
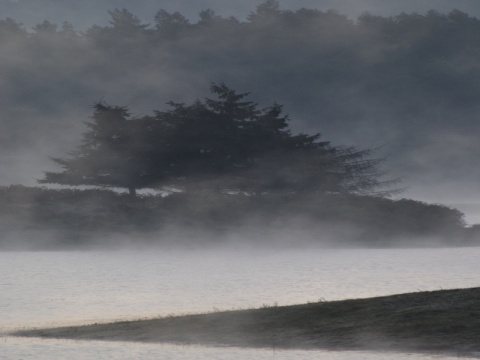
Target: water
{"x":57,"y":288}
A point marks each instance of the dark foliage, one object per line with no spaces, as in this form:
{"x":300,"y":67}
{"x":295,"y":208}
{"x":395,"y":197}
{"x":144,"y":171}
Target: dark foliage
{"x":114,"y":152}
{"x":226,"y":143}
{"x":78,"y":217}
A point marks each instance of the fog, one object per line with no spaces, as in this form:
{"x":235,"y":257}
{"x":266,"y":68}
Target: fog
{"x":390,"y":87}
{"x":99,"y":287}
{"x":412,"y":94}
{"x":89,"y":219}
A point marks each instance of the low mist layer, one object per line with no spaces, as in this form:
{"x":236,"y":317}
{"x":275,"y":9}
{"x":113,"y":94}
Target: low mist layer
{"x":36,"y":218}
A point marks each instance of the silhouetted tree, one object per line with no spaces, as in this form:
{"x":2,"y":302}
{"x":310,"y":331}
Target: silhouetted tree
{"x":226,"y":143}
{"x":208,"y":17}
{"x":46,"y":28}
{"x":170,"y":24}
{"x":126,"y":33}
{"x":10,"y":28}
{"x":265,"y":11}
{"x":263,"y":156}
{"x":68,"y":31}
{"x":115,"y":152}
{"x":125,"y":22}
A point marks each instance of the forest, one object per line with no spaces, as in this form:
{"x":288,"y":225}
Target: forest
{"x":224,"y":170}
{"x":406,"y":83}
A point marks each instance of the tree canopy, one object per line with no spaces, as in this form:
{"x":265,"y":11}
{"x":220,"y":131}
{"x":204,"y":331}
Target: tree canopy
{"x":226,"y":143}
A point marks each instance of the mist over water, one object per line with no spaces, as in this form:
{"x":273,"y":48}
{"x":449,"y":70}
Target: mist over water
{"x":402,"y":79}
{"x":59,"y":288}
{"x":79,"y":350}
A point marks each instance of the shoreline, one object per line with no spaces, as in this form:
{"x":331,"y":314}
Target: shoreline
{"x":442,"y":321}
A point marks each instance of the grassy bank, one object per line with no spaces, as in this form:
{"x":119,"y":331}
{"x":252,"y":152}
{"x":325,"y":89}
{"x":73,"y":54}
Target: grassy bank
{"x":439,"y":321}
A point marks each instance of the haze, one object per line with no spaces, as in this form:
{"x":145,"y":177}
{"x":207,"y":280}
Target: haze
{"x":429,"y":141}
{"x":254,"y":206}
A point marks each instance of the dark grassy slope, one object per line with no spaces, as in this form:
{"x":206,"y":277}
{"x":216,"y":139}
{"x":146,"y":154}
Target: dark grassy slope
{"x":439,"y":321}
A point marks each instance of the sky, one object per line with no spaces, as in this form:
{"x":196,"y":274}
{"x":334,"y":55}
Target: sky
{"x":85,"y":13}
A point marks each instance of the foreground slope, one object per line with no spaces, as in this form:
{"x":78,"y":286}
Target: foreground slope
{"x":439,"y":321}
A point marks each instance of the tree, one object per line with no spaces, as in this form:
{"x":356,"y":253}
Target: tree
{"x":170,"y":25}
{"x":267,"y":10}
{"x":126,"y":33}
{"x":112,"y":153}
{"x":208,"y":17}
{"x":46,"y":28}
{"x":125,"y":22}
{"x":245,"y":148}
{"x":227,"y":143}
{"x":10,"y":28}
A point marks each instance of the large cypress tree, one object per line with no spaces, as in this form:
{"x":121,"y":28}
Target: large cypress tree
{"x":116,"y":151}
{"x":227,"y":143}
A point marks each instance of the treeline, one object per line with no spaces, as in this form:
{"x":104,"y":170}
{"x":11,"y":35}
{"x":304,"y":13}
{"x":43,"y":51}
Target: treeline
{"x":365,"y":82}
{"x":83,"y":218}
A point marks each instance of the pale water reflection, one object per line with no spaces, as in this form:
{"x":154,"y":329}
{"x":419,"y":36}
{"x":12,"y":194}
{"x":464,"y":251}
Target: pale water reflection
{"x":52,"y":288}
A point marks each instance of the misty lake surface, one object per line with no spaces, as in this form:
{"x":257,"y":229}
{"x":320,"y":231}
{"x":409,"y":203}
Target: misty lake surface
{"x":39,"y":289}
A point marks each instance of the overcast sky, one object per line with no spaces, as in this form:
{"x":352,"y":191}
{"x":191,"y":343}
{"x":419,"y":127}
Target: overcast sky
{"x":84,"y":13}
